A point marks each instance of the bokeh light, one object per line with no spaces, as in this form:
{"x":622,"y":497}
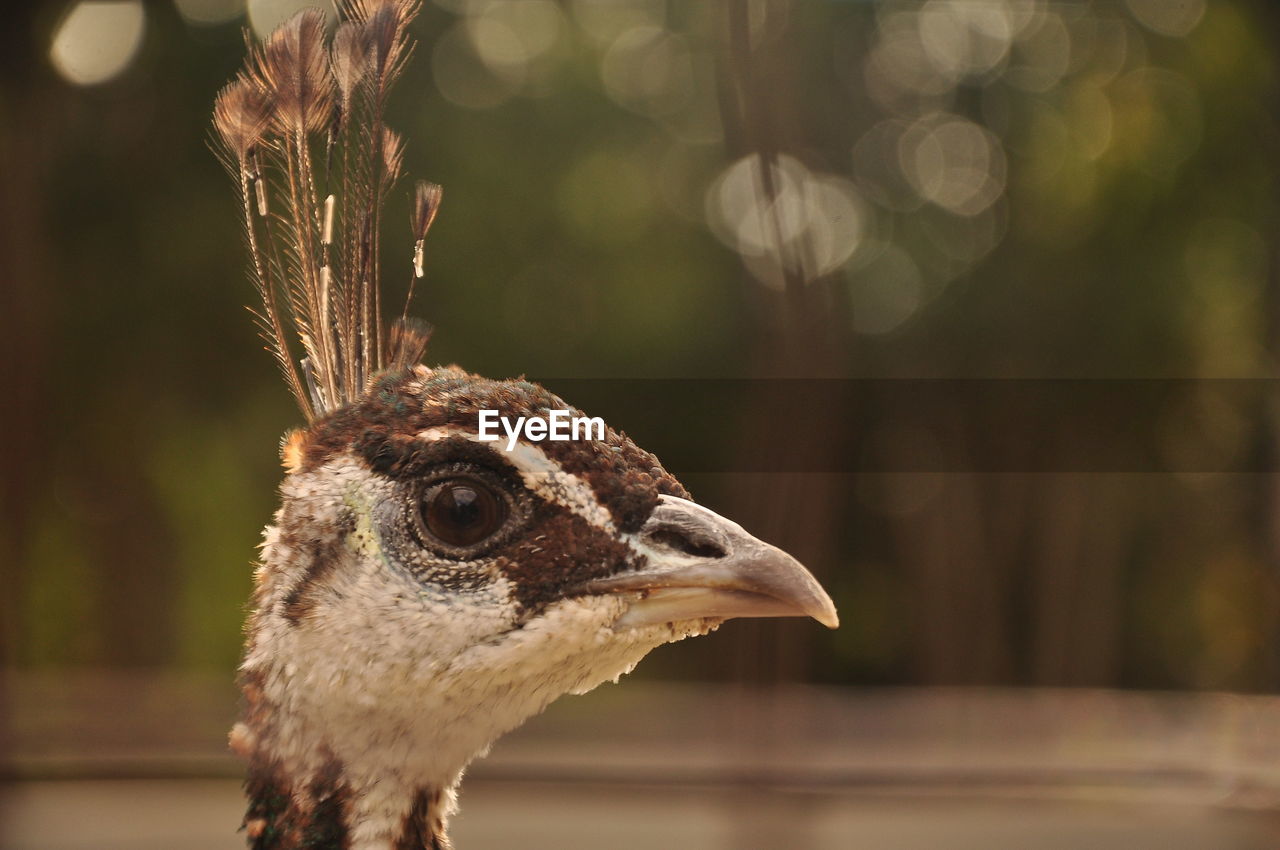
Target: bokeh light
{"x":820,"y":217}
{"x":1168,"y":17}
{"x":96,"y":41}
{"x":1042,"y":54}
{"x":1158,"y":119}
{"x":649,"y":70}
{"x":964,"y":39}
{"x":603,"y":21}
{"x":266,"y":15}
{"x":464,"y":78}
{"x":953,"y":163}
{"x":209,"y":12}
{"x":886,"y":292}
{"x":498,"y":49}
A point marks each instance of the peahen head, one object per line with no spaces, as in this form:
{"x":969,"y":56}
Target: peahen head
{"x":424,"y":588}
{"x":424,"y":591}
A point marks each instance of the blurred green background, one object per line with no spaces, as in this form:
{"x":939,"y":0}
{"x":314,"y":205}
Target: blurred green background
{"x":1007,"y":188}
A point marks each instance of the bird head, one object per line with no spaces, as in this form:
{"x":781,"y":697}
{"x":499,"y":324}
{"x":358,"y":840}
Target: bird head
{"x":424,"y":590}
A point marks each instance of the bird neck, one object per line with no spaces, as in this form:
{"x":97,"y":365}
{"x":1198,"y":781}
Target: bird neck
{"x":319,"y":803}
{"x":325,"y":812}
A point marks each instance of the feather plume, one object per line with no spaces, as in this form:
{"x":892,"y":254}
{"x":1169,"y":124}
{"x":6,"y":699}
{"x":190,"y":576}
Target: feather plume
{"x":409,"y":338}
{"x":315,"y":256}
{"x":294,"y":66}
{"x":385,"y":30}
{"x":392,"y":156}
{"x":241,"y":115}
{"x":350,"y":63}
{"x":426,"y":202}
{"x":385,"y":23}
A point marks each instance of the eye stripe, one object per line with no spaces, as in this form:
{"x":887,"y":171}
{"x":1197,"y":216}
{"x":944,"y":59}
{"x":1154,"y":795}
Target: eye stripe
{"x":540,"y":474}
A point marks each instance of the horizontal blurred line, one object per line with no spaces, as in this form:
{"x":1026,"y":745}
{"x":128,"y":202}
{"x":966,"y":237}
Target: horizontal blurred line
{"x":1228,"y":791}
{"x":855,"y":426}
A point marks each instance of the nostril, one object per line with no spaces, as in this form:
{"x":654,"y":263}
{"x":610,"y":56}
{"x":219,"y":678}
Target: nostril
{"x":674,"y":539}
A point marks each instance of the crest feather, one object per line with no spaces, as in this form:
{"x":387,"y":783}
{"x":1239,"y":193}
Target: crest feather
{"x":302,"y":133}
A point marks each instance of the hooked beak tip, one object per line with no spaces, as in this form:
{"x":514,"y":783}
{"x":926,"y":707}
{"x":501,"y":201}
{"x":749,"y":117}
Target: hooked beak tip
{"x":742,"y":577}
{"x":827,"y":616}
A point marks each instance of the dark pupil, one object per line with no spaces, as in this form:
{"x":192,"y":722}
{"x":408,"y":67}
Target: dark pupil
{"x":463,"y":514}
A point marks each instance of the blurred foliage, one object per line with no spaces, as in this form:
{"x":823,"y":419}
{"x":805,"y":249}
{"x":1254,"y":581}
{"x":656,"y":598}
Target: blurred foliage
{"x":995,"y":189}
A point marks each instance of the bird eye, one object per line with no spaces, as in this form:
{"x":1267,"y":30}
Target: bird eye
{"x":462,"y":512}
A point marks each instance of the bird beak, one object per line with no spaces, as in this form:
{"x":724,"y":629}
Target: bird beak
{"x":701,"y":565}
